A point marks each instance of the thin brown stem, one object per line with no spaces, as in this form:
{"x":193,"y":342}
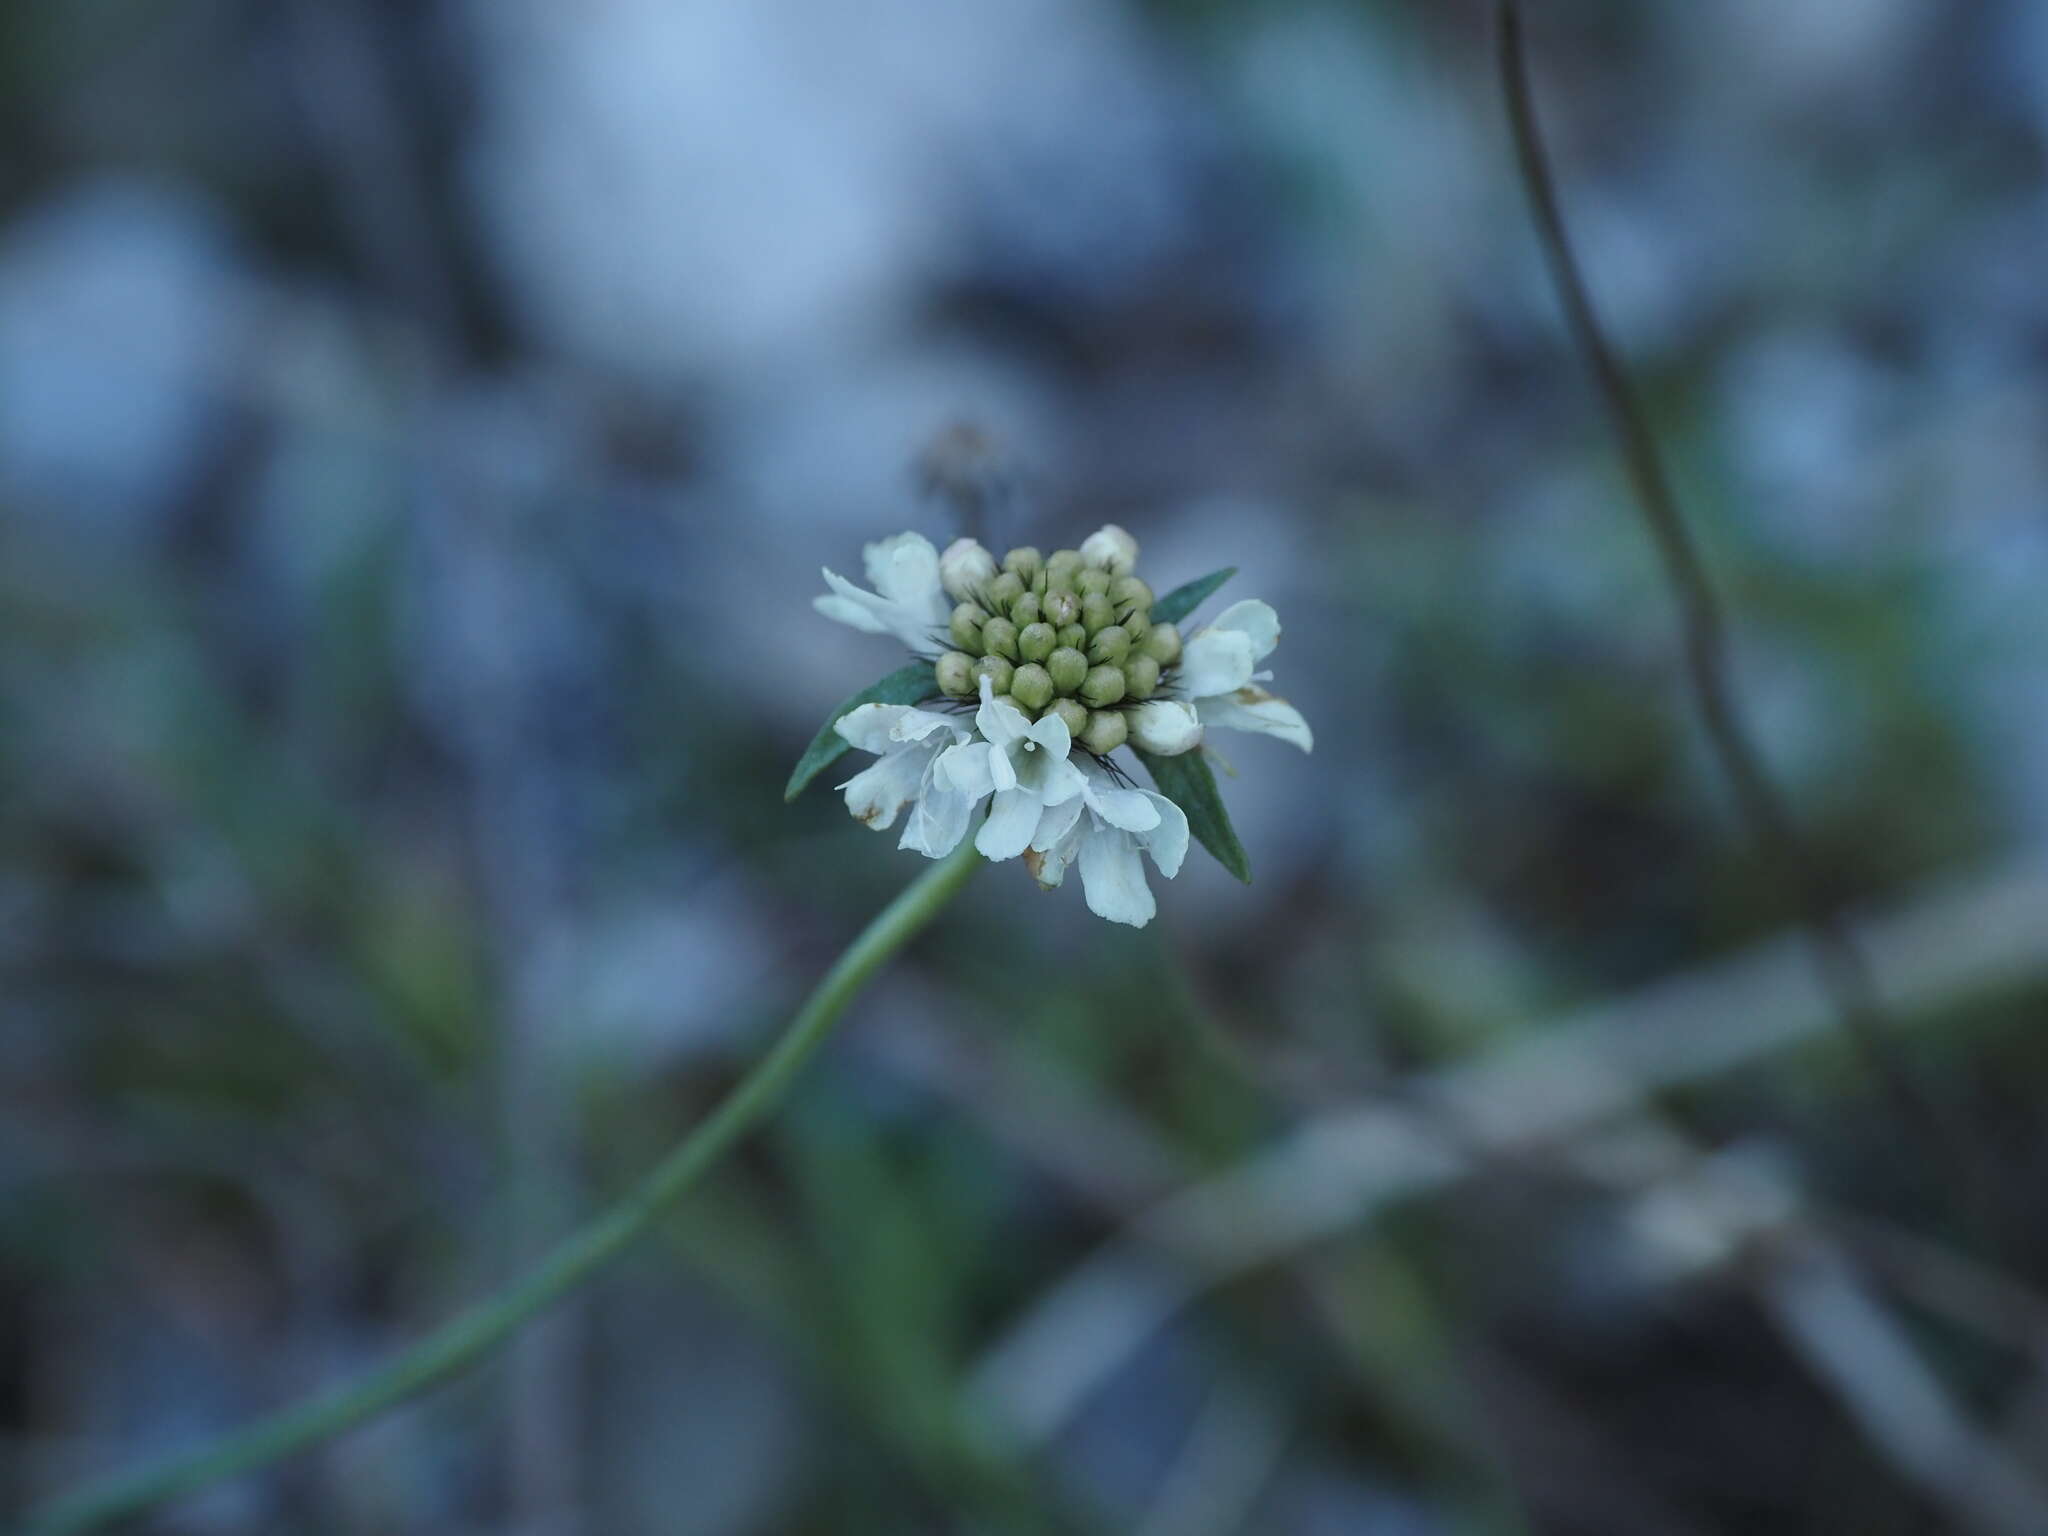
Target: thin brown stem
{"x":1838,"y":959}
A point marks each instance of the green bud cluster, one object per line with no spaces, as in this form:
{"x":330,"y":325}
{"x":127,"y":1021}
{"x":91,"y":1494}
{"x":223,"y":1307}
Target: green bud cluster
{"x":1059,"y":635}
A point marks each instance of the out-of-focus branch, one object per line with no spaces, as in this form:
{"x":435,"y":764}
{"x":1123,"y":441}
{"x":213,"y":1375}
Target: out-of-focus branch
{"x":1839,"y":960}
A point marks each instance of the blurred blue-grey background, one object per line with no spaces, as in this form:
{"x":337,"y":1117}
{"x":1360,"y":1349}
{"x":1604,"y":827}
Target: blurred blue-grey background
{"x":421,"y":426}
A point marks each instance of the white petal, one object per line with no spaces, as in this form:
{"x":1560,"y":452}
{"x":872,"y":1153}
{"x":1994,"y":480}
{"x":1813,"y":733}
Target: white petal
{"x":1011,"y":820}
{"x":1167,"y":842}
{"x":917,"y":724}
{"x":1113,"y":876}
{"x":847,"y":610}
{"x":905,"y":570}
{"x":1256,"y":621}
{"x":999,"y":721}
{"x":938,"y":820}
{"x":1051,"y":734}
{"x":913,"y":624}
{"x":1165,"y":727}
{"x":1215,"y":661}
{"x":1254,"y":709}
{"x":1062,"y":783}
{"x":1130,"y":809}
{"x":870,"y":727}
{"x":966,"y":769}
{"x":879,"y":791}
{"x":1055,"y":823}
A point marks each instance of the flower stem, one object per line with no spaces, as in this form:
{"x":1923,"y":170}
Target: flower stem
{"x":470,"y":1337}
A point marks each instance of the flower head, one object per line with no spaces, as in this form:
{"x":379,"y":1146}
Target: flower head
{"x":1063,"y":659}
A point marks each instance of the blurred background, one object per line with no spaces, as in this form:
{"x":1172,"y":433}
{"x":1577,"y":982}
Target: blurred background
{"x":421,"y":426}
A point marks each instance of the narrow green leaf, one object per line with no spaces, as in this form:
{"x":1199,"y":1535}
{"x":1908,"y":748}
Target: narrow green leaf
{"x":911,"y":684}
{"x":1182,"y":601}
{"x":1189,"y":782}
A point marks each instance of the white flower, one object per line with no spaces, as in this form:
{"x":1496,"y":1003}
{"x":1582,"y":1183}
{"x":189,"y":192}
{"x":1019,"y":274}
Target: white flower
{"x":1165,"y":727}
{"x":907,"y":743}
{"x":1217,"y":674}
{"x":1111,"y":549}
{"x":965,"y":569}
{"x":908,"y":601}
{"x":1022,"y":762}
{"x":1105,"y":827}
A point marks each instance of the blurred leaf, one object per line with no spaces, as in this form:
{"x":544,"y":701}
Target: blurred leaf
{"x":908,"y":684}
{"x":1182,"y":601}
{"x":1189,"y":782}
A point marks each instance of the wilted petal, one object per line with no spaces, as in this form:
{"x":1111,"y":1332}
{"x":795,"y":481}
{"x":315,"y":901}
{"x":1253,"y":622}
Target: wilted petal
{"x":937,"y":822}
{"x":879,"y":791}
{"x":1254,"y":709}
{"x":1113,"y":877}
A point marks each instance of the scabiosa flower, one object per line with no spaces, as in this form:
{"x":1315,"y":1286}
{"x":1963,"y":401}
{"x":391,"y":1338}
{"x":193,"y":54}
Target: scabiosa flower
{"x":1063,"y":660}
{"x":1217,"y":675}
{"x":1021,"y":762}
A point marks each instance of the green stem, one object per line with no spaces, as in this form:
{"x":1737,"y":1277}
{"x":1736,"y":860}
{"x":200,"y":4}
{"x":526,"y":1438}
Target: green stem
{"x":468,"y":1338}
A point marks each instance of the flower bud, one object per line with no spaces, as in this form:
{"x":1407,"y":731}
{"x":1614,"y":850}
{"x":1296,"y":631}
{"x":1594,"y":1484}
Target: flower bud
{"x":1025,"y":563}
{"x":1109,"y":548}
{"x":1061,"y":570}
{"x":1141,"y":676}
{"x":1035,"y":642}
{"x":966,"y":627}
{"x":1058,"y":608}
{"x":1005,"y":590}
{"x":1096,"y":611}
{"x":1137,"y":624}
{"x":1102,"y":687}
{"x":954,"y":672}
{"x":998,"y":672}
{"x":1130,"y":592}
{"x":1162,"y":643}
{"x":1025,"y":610}
{"x":1073,"y":715}
{"x":1068,"y":667}
{"x":1110,"y":646}
{"x":999,"y":638}
{"x":1031,"y":686}
{"x":965,"y":568}
{"x":1106,"y":731}
{"x":1074,"y":636}
{"x":1092,"y":580}
{"x":1165,"y":728}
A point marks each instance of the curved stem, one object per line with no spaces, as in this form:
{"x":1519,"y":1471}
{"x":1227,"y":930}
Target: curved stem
{"x":471,"y":1336}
